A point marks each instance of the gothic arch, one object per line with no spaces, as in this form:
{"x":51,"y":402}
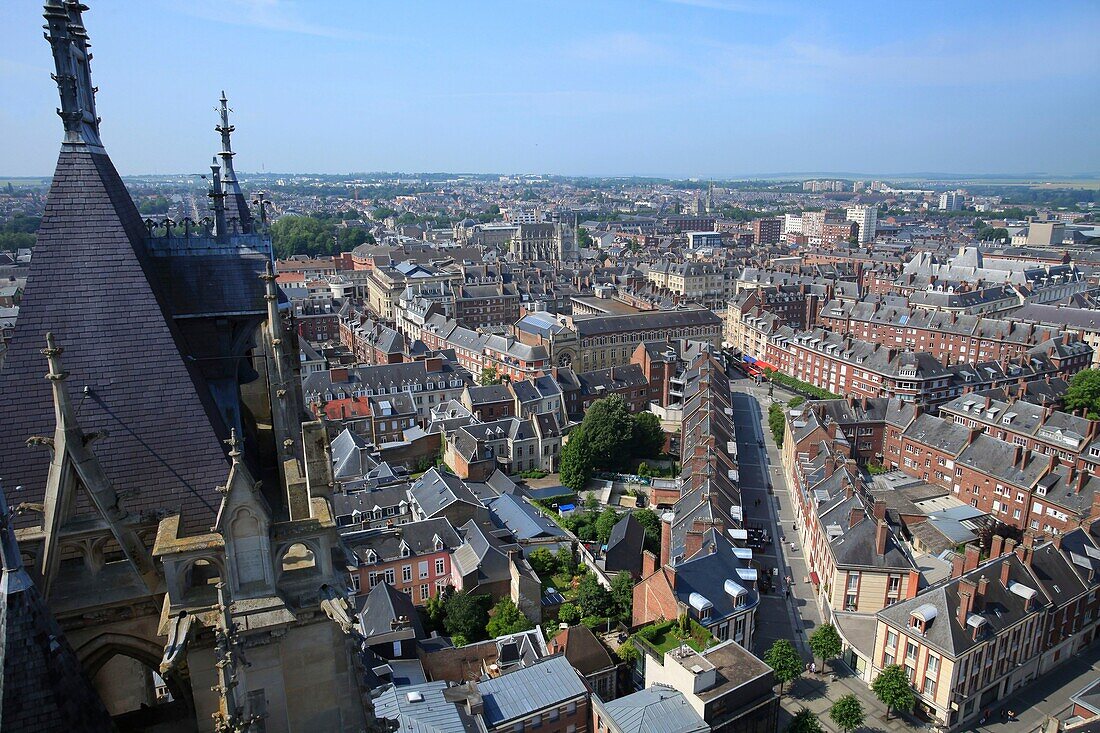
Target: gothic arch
{"x":96,"y":652}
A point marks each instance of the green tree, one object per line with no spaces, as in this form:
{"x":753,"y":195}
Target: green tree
{"x":575,"y":467}
{"x":804,"y":721}
{"x":777,"y":422}
{"x":467,"y":615}
{"x":489,"y":376}
{"x":593,"y":598}
{"x":506,"y":618}
{"x":651,"y":523}
{"x":568,"y":613}
{"x":434,"y":612}
{"x":608,"y":429}
{"x":893,"y":689}
{"x":567,"y":564}
{"x":783,"y":658}
{"x":627,"y":652}
{"x":605,"y":522}
{"x":543,"y":562}
{"x":825,"y":643}
{"x":1084,"y":392}
{"x":622,"y":596}
{"x":648,"y":435}
{"x":584,"y":239}
{"x":847,"y":713}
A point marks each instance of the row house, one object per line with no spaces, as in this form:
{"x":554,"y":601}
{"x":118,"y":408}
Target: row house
{"x":948,"y":336}
{"x":476,"y":306}
{"x":414,"y":558}
{"x":378,"y":419}
{"x":972,"y":641}
{"x":317,"y":321}
{"x":508,"y":357}
{"x":860,"y":423}
{"x":489,"y":402}
{"x":1025,"y":489}
{"x":385,"y":284}
{"x":1073,"y":438}
{"x":369,"y":340}
{"x":427,"y":382}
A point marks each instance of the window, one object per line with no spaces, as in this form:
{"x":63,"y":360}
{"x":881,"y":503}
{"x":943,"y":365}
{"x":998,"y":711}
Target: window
{"x":425,"y":591}
{"x":406,"y":573}
{"x":910,"y":650}
{"x":355,"y":582}
{"x":422,"y":567}
{"x":390,"y":576}
{"x":439,"y":566}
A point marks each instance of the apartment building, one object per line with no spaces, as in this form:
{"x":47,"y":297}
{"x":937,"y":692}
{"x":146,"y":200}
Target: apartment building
{"x":428,"y":382}
{"x":508,"y":357}
{"x":969,"y":642}
{"x":414,"y":558}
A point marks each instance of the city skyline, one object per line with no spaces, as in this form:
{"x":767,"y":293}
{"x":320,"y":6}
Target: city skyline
{"x":692,"y":88}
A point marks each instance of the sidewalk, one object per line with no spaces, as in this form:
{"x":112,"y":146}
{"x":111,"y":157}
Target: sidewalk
{"x":1034,"y":705}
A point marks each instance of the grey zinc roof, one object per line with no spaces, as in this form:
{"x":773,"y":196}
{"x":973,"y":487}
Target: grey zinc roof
{"x":522,"y":519}
{"x":432,"y":713}
{"x":655,"y":710}
{"x":435,"y":491}
{"x":647,"y":320}
{"x":546,"y":683}
{"x":89,"y":285}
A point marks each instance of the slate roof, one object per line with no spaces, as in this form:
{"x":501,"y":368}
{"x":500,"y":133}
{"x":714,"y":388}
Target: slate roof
{"x":706,"y":573}
{"x":546,"y":683}
{"x":383,"y":605}
{"x":435,"y":491}
{"x":647,"y":320}
{"x":583,"y":650}
{"x":655,"y":710}
{"x":43,"y":687}
{"x":522,"y":519}
{"x":89,"y":285}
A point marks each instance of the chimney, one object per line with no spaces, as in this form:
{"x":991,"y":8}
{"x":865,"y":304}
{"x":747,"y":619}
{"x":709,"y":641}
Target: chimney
{"x":967,"y":590}
{"x":666,"y":536}
{"x":1017,"y":454}
{"x":338,"y":375}
{"x":957,"y":563}
{"x":880,"y":510}
{"x":693,"y":542}
{"x":649,"y":563}
{"x":1024,"y":549}
{"x":979,"y":597}
{"x":971,"y":558}
{"x":973,"y":435}
{"x":882,"y":531}
{"x":1080,"y":481}
{"x":996,"y":545}
{"x":855,"y":517}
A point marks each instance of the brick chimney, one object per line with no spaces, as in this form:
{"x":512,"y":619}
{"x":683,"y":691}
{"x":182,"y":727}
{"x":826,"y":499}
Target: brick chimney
{"x":666,"y":536}
{"x":996,"y":545}
{"x":855,"y":517}
{"x":880,"y":510}
{"x":882,"y":531}
{"x":338,"y":375}
{"x":971,"y":558}
{"x":967,"y":590}
{"x":957,"y":564}
{"x":693,"y":542}
{"x":979,"y":597}
{"x":649,"y":563}
{"x":1024,"y":549}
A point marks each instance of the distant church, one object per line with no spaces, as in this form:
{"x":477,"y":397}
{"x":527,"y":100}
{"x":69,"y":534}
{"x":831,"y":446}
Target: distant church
{"x":172,"y":500}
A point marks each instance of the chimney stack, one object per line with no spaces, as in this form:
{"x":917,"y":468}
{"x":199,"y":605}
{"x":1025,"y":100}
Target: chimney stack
{"x":855,"y":517}
{"x":882,"y":531}
{"x":666,"y":537}
{"x":967,"y":590}
{"x":957,"y":564}
{"x":996,"y":545}
{"x":971,"y":558}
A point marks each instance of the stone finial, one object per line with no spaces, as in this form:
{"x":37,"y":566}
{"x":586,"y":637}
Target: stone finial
{"x":69,"y":41}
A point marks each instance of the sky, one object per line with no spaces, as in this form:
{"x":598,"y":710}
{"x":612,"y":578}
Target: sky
{"x":671,"y":88}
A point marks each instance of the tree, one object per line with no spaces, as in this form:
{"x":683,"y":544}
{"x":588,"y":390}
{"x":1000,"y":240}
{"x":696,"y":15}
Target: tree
{"x":575,"y":467}
{"x":777,"y":422}
{"x":847,"y":713}
{"x":825,"y":643}
{"x":627,"y":652}
{"x":622,"y":596}
{"x":1084,"y":392}
{"x":567,"y":564}
{"x":506,"y":618}
{"x":608,"y":429}
{"x":543,"y":562}
{"x":594,"y":599}
{"x":584,"y":239}
{"x":489,"y":376}
{"x":434,"y":612}
{"x":648,"y":435}
{"x":467,"y":615}
{"x":783,"y":658}
{"x":651,"y":523}
{"x":604,"y":524}
{"x":893,"y":689}
{"x":568,"y":613}
{"x":804,"y":721}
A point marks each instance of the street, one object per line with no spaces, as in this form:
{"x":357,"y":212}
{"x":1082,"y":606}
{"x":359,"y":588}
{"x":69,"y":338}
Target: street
{"x":793,"y":618}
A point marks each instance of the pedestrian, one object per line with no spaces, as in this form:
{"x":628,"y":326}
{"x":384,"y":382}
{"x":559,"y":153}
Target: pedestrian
{"x":813,"y":667}
{"x":1011,"y":715}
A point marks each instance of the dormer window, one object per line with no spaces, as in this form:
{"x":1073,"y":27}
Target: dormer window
{"x":438,"y":543}
{"x":372,"y":556}
{"x":405,"y":551}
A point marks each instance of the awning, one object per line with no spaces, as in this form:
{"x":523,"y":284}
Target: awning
{"x":748,"y":359}
{"x":814,"y":578}
{"x":765,"y":365}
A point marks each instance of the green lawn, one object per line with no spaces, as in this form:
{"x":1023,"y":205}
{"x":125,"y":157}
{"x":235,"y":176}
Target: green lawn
{"x":665,"y":637}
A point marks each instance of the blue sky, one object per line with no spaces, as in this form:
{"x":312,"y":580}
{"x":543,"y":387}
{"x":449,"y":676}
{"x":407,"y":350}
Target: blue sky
{"x":707,"y":88}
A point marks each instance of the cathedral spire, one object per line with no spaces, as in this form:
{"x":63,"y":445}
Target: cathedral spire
{"x":69,"y":41}
{"x":236,"y":206}
{"x":217,"y":198}
{"x":226,"y":129}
